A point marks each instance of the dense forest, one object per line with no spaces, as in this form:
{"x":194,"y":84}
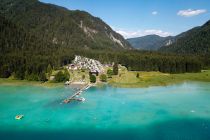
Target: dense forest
{"x":149,"y":61}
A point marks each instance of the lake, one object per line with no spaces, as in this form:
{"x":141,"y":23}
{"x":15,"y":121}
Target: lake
{"x":176,"y":112}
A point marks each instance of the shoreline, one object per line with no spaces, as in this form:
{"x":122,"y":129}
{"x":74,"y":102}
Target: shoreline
{"x":153,"y":85}
{"x":128,"y":80}
{"x":121,"y":85}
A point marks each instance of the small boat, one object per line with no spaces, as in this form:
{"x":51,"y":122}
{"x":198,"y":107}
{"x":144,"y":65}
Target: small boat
{"x":19,"y":117}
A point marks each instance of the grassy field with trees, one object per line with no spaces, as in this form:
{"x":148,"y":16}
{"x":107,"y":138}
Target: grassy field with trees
{"x":137,"y":79}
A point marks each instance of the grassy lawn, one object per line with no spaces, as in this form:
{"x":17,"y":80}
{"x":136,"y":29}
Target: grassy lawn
{"x":76,"y":75}
{"x":129,"y":79}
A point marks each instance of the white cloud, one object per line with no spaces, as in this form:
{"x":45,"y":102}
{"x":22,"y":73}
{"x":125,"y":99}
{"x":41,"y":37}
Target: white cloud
{"x":154,"y":13}
{"x":139,"y":33}
{"x":190,"y":12}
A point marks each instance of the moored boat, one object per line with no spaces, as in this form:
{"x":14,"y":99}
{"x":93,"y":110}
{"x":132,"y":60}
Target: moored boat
{"x":19,"y":117}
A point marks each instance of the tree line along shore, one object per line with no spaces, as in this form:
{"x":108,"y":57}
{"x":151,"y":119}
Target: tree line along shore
{"x":123,"y":78}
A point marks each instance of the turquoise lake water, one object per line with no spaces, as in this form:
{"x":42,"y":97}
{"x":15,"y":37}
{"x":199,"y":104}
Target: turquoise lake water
{"x":177,"y":112}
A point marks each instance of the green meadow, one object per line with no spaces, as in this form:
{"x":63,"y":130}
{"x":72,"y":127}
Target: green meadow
{"x":146,"y":79}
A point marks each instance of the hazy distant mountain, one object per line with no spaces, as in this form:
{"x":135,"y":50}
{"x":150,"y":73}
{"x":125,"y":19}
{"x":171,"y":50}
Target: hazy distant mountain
{"x":61,"y":26}
{"x":194,"y":41}
{"x":150,"y":42}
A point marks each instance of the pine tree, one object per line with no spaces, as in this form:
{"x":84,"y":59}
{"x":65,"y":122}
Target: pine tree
{"x":67,"y":75}
{"x":49,"y":70}
{"x":42,"y":77}
{"x":115,"y":69}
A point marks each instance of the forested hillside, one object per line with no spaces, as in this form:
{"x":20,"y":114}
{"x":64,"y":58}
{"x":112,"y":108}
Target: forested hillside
{"x":150,"y":42}
{"x":61,"y":26}
{"x":194,"y":41}
{"x":25,"y":56}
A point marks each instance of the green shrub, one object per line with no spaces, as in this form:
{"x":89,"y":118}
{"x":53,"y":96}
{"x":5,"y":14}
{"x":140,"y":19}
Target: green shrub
{"x":62,"y":77}
{"x":92,"y":78}
{"x":83,"y":77}
{"x":103,"y":78}
{"x":137,"y":75}
{"x":66,"y":73}
{"x":109,"y":73}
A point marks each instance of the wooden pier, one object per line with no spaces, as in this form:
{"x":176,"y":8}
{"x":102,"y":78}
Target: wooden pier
{"x":73,"y":97}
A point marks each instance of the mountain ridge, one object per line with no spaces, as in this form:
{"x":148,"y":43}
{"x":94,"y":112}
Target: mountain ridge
{"x":193,"y":41}
{"x":150,"y":42}
{"x":62,"y":26}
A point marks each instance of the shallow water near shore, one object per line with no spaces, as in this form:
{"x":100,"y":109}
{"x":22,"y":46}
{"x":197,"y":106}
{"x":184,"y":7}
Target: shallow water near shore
{"x":180,"y":111}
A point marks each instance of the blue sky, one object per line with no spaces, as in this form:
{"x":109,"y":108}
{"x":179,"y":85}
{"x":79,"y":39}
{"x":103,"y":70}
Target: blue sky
{"x":134,"y":18}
